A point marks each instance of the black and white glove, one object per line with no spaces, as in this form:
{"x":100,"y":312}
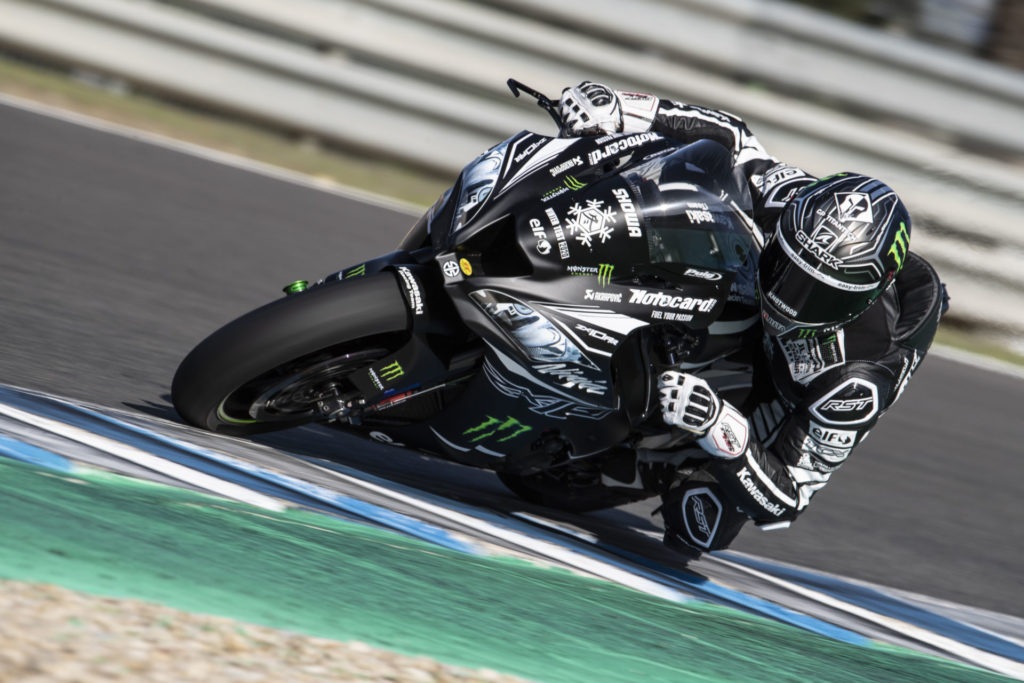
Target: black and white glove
{"x":592,"y":108}
{"x":688,"y":402}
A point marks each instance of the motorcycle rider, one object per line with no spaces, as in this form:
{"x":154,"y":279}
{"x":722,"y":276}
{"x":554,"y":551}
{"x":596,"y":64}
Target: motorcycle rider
{"x":847,"y":311}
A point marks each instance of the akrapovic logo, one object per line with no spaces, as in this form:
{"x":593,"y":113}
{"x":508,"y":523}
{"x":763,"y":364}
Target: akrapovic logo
{"x":661,"y":300}
{"x":610,"y":297}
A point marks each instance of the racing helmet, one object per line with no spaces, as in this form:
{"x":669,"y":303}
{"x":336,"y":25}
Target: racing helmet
{"x":839,"y":244}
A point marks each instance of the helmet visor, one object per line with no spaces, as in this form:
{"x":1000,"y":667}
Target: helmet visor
{"x":793,"y":298}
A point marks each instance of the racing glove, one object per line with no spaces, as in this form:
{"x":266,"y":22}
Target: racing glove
{"x":688,"y":402}
{"x":591,"y":108}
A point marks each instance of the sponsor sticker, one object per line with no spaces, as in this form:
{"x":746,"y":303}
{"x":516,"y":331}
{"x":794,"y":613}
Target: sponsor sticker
{"x":565,"y":166}
{"x":808,"y":357}
{"x":855,"y":401}
{"x":620,"y":146}
{"x":607,"y":297}
{"x":703,"y":274}
{"x":591,"y":221}
{"x":541,"y":235}
{"x":632,"y":219}
{"x":496,"y":430}
{"x":829,"y":454}
{"x":385,"y":374}
{"x":450,"y":269}
{"x":746,"y":479}
{"x":702,"y":512}
{"x":729,"y":435}
{"x":465,"y":267}
{"x":412,"y":289}
{"x":830,"y":436}
{"x":556,"y":227}
{"x":657,"y":299}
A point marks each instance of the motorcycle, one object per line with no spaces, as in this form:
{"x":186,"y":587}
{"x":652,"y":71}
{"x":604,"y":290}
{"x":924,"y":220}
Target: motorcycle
{"x":519,"y":324}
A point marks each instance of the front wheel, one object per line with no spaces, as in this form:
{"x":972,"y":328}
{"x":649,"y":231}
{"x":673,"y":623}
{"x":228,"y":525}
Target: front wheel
{"x":286,"y":363}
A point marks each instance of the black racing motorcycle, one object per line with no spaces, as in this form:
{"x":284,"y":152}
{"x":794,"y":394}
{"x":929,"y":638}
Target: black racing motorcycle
{"x":520,"y":325}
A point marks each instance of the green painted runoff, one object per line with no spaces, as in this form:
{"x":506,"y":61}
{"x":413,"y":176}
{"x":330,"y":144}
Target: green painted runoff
{"x":110,"y":535}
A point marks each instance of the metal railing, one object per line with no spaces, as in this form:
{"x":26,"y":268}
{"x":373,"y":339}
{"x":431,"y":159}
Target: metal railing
{"x":422,"y":82}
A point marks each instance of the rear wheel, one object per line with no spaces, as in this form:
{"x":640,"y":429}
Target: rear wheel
{"x":286,"y":364}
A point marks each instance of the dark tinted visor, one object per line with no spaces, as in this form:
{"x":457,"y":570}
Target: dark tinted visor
{"x":788,"y":291}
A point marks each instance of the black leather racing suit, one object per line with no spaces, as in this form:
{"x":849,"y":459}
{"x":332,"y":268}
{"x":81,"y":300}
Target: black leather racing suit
{"x":815,"y":396}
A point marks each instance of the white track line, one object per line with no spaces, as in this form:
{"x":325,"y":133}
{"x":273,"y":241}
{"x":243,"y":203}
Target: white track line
{"x":144,"y":459}
{"x":967,"y":653}
{"x":542,"y":548}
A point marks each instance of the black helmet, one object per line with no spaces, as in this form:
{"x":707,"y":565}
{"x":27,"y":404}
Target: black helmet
{"x":839,"y":244}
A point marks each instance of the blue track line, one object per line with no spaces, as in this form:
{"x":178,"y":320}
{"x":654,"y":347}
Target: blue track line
{"x":310,"y":495}
{"x":727,"y":596}
{"x":880,"y":603}
{"x":683,"y":581}
{"x":231,"y":469}
{"x":18,"y":450}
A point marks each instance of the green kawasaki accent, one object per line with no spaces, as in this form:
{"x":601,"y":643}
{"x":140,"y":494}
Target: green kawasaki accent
{"x":314,"y":574}
{"x":574,"y":184}
{"x":224,"y":417}
{"x":358,"y":271}
{"x":296,"y":287}
{"x":509,"y":429}
{"x":391,"y":371}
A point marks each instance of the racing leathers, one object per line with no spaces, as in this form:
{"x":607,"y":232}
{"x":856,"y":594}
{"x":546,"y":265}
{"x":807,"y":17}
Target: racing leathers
{"x":816,"y":393}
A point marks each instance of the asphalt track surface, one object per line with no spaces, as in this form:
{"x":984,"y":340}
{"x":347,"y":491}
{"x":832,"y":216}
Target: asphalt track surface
{"x":118,"y":256}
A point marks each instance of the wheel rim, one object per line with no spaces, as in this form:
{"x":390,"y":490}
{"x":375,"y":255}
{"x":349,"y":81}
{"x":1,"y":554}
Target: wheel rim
{"x":302,"y":391}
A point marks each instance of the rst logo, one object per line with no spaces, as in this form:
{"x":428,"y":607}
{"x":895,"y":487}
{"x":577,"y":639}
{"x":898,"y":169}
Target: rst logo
{"x":853,"y":402}
{"x":848,"y":405}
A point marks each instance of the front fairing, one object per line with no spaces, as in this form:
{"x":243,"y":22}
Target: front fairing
{"x":557,"y":252}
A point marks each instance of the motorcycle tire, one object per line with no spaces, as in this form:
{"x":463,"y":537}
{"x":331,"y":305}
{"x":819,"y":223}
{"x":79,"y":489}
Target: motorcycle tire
{"x":285,"y":352}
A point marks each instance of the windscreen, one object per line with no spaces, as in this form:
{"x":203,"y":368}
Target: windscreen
{"x":697,"y":213}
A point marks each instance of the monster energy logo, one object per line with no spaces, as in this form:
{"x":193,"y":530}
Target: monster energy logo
{"x":356,"y":272}
{"x":574,"y":184}
{"x":391,"y":371}
{"x":806,"y":333}
{"x":899,"y":245}
{"x":508,"y":429}
{"x":387,"y":373}
{"x":604,"y":273}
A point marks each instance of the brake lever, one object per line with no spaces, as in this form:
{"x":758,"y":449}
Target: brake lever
{"x":543,"y":101}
